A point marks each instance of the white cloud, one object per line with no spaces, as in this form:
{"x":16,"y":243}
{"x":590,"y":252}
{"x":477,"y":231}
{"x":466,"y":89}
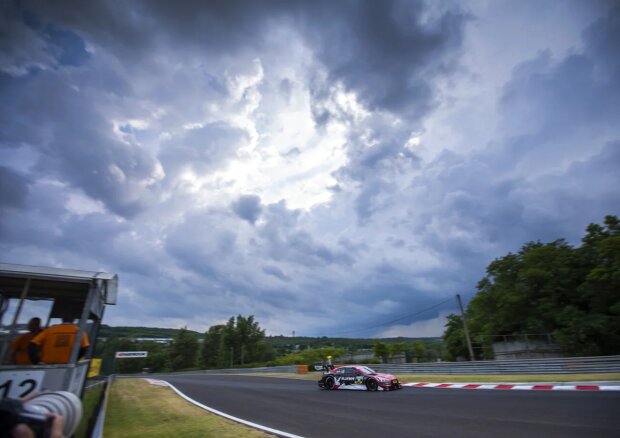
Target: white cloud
{"x":427,"y":328}
{"x":281,"y":164}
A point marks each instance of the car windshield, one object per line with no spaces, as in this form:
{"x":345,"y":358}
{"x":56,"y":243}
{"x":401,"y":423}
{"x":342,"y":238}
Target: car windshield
{"x":367,"y":370}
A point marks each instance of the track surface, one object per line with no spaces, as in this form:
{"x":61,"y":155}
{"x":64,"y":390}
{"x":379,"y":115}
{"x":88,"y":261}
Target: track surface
{"x":299,"y":407}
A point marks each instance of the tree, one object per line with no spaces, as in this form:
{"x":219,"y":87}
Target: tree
{"x":182,"y":351}
{"x":573,"y":293}
{"x":419,"y":350}
{"x":381,"y":350}
{"x":398,"y":348}
{"x":454,"y":338}
{"x":310,"y":356}
{"x":210,"y":350}
{"x":240,"y":341}
{"x":590,"y":323}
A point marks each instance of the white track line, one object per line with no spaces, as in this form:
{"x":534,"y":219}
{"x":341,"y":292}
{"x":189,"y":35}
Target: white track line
{"x":222,"y":414}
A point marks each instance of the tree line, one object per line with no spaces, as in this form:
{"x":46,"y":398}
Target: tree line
{"x":241,"y":342}
{"x":570,"y":293}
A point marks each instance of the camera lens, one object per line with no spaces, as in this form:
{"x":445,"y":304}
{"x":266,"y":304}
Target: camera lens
{"x":62,"y":403}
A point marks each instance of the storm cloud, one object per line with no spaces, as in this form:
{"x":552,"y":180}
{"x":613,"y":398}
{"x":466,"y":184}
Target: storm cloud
{"x":329,"y":167}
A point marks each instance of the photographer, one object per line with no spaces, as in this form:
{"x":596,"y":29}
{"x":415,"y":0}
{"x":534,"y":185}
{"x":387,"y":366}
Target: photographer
{"x":49,"y":414}
{"x":24,"y":431}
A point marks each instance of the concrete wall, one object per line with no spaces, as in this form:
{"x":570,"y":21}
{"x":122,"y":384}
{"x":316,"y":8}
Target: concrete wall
{"x":532,"y":349}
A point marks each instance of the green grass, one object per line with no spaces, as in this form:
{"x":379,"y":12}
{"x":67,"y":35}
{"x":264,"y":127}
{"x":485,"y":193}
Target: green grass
{"x":137,"y":409}
{"x":89,"y":403}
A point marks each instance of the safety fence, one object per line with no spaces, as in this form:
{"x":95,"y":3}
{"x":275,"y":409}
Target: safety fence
{"x":278,"y":369}
{"x":568,"y":365}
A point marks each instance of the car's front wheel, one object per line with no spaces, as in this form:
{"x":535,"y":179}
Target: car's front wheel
{"x":330,"y":382}
{"x":372,"y":385}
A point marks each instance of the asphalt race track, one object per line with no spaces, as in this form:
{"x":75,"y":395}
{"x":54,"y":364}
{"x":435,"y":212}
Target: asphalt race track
{"x":300,"y":407}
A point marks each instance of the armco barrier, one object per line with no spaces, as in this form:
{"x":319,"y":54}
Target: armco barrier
{"x":278,"y":369}
{"x":567,"y":365}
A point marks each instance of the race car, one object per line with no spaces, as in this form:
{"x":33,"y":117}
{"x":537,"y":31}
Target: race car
{"x":358,"y":377}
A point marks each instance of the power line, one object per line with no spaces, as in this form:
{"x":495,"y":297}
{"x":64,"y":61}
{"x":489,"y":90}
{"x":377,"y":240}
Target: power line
{"x":397,"y":319}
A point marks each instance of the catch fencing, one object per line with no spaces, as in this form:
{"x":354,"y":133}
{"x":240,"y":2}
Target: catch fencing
{"x":567,"y":365}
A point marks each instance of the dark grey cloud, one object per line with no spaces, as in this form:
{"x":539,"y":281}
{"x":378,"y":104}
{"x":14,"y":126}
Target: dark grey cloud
{"x":247,"y":207}
{"x":118,"y":121}
{"x":553,"y":171}
{"x":282,"y":239}
{"x":21,"y":48}
{"x":13,"y":188}
{"x":555,"y":109}
{"x":387,"y":52}
{"x":76,"y":142}
{"x":276,"y":272}
{"x":202,"y":242}
{"x":37,"y":223}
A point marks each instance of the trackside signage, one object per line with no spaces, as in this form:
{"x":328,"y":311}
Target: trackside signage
{"x":131,"y":354}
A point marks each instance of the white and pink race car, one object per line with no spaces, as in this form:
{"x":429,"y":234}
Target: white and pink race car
{"x":358,"y":377}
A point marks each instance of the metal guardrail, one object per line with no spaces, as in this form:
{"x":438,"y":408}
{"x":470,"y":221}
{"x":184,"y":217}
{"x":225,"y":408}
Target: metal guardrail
{"x":278,"y":369}
{"x":566,"y":365}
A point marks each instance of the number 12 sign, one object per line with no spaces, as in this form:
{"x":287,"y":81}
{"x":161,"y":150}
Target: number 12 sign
{"x":18,"y":384}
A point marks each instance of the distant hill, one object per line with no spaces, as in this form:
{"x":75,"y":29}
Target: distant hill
{"x":278,"y":342}
{"x":350,"y":343}
{"x":138,"y":332}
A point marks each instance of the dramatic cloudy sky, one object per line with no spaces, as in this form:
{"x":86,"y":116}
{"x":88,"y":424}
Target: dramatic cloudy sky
{"x":327,"y":166}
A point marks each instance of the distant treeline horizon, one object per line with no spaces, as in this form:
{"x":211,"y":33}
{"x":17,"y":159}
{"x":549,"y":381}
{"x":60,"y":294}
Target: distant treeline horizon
{"x":108,"y":331}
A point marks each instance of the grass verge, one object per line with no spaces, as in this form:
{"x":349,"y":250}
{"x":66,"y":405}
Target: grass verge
{"x":137,"y":409}
{"x":464,"y":378}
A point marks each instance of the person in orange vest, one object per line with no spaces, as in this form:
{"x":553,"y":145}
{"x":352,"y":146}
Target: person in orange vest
{"x":19,"y":346}
{"x":55,"y":344}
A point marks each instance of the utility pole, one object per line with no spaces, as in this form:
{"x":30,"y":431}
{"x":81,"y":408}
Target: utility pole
{"x":471,"y":350}
{"x":231,"y":356}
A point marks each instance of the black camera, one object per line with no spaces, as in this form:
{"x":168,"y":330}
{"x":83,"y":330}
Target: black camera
{"x":33,"y":413}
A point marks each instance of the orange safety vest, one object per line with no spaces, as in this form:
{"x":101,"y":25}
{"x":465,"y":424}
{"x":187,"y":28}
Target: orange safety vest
{"x":56,"y":343}
{"x":20,"y":346}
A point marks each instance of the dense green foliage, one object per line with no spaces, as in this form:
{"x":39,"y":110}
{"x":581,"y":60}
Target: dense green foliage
{"x":108,"y":332}
{"x":309,"y":356}
{"x":239,"y":342}
{"x":183,"y":350}
{"x":571,"y":293}
{"x":246,"y":341}
{"x":427,"y":350}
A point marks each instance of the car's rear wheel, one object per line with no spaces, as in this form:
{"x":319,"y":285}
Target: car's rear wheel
{"x":330,"y":382}
{"x":372,"y":385}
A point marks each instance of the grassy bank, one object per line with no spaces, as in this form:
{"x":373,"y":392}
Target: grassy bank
{"x":138,"y":409}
